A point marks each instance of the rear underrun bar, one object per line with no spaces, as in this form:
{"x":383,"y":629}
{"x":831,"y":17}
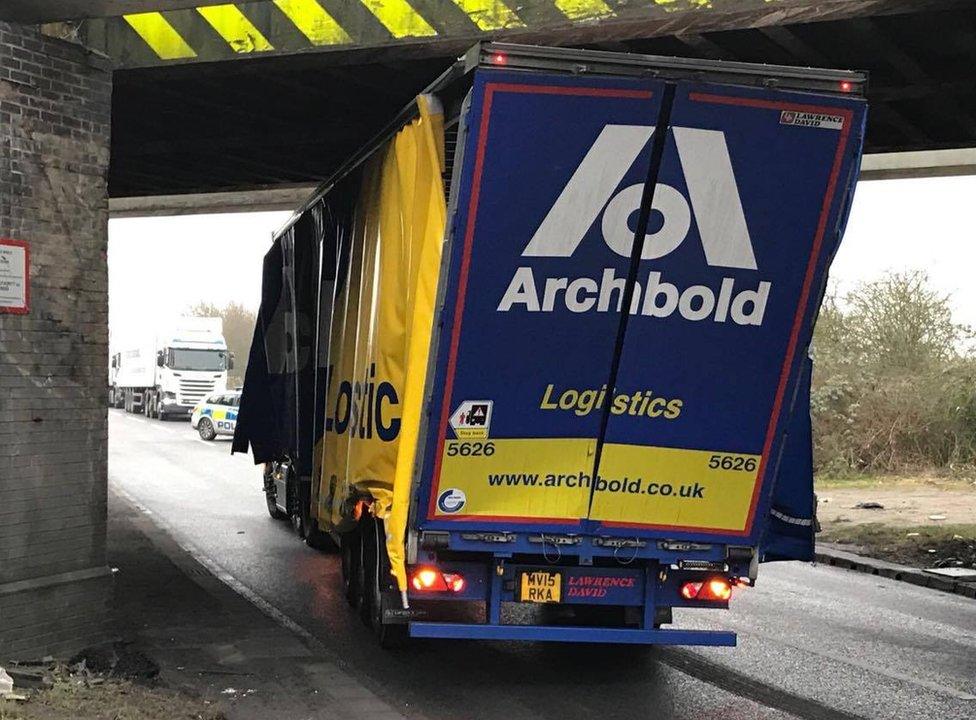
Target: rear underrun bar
{"x":546,"y":633}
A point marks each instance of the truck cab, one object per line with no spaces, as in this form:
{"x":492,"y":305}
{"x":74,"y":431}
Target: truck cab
{"x":188,"y":370}
{"x":166,"y":373}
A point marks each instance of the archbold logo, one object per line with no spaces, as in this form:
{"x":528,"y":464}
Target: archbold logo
{"x":594,"y":188}
{"x":707,"y":167}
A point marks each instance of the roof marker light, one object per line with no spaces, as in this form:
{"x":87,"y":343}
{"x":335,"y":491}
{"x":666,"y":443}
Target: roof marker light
{"x":499,"y":58}
{"x":846,"y":86}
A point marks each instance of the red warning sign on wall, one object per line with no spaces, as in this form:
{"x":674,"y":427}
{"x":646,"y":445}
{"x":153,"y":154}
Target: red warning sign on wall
{"x":14,"y":276}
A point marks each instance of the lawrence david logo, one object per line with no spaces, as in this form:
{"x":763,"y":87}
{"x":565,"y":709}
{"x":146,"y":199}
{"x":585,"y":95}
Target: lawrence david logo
{"x":814,"y":120}
{"x":451,"y":501}
{"x":594,"y":189}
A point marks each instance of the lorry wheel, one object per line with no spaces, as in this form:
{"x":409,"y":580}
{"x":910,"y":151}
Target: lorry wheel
{"x":351,"y":563}
{"x":367,"y":570}
{"x":273,"y":510}
{"x":314,"y":537}
{"x":318,"y":539}
{"x":206,"y":429}
{"x":271,"y":496}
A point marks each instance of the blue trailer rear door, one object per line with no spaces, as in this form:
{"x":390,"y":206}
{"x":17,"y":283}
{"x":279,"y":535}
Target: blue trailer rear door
{"x":509,"y":347}
{"x":750,"y":199}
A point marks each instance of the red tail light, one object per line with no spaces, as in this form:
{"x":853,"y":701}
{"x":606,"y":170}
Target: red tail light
{"x":454,"y":582}
{"x":429,"y":579}
{"x":716,"y":589}
{"x":499,"y":59}
{"x":846,"y":86}
{"x":712,"y":589}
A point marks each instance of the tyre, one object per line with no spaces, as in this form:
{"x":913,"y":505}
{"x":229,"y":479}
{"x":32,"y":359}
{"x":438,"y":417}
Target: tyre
{"x":206,"y":429}
{"x":271,"y":497}
{"x":314,"y":537}
{"x":319,"y":539}
{"x":366,"y":571}
{"x":147,"y":405}
{"x":273,"y":510}
{"x":351,"y":561}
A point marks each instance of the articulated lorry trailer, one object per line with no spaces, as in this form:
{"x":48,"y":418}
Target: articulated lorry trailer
{"x":536,"y":359}
{"x":164,"y":374}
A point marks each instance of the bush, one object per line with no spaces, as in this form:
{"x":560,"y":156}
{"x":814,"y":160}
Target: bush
{"x":894,"y":387}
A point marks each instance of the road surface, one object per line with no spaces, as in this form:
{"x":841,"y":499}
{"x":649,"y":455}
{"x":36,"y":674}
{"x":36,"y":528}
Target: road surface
{"x":814,"y":642}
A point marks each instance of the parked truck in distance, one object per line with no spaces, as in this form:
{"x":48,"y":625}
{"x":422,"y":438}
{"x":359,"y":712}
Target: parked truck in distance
{"x":574,"y":394}
{"x":165,"y":374}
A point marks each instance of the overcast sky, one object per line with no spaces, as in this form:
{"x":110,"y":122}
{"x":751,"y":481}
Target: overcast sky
{"x":159,"y":267}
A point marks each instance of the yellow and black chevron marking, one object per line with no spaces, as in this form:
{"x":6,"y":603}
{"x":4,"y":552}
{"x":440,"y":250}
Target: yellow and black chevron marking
{"x":215,"y":32}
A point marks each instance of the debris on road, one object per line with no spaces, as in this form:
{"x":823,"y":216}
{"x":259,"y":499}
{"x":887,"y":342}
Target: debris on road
{"x":6,"y":683}
{"x":31,"y":677}
{"x":937,"y":517}
{"x":956,"y":573}
{"x":869,"y":506}
{"x":118,"y":660}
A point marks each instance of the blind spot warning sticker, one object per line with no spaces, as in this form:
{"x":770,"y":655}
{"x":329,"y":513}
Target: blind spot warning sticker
{"x":472,"y":420}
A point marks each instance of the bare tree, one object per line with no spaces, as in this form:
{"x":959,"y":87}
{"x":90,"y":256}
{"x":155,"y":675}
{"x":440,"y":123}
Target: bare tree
{"x":894,"y":387}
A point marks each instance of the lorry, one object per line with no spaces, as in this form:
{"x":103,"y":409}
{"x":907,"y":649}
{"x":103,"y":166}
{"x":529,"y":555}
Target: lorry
{"x":535,"y":360}
{"x":164,"y":374}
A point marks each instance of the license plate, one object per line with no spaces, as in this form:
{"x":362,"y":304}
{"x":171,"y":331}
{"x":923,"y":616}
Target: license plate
{"x":541,"y":587}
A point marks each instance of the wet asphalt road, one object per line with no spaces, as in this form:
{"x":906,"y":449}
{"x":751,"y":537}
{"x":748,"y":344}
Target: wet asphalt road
{"x":814,"y":642}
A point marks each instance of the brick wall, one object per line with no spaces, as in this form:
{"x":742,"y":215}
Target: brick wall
{"x":55,"y":103}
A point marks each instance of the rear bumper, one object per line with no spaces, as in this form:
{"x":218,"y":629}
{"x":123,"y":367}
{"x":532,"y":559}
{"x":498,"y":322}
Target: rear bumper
{"x":460,"y":631}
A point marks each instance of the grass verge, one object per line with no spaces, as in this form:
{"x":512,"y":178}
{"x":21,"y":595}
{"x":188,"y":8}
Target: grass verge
{"x":920,"y":546}
{"x":70,"y":699}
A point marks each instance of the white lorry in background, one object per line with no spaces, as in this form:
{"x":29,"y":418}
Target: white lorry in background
{"x":166,"y":374}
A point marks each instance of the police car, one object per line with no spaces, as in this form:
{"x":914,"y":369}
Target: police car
{"x":216,"y":414}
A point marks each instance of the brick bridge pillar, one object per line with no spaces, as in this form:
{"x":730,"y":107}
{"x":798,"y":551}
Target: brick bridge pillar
{"x":55,"y":108}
